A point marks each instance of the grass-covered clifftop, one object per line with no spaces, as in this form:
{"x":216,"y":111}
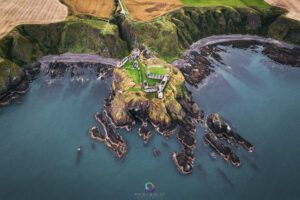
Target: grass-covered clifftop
{"x":231,"y":3}
{"x":28,"y":42}
{"x":129,"y":96}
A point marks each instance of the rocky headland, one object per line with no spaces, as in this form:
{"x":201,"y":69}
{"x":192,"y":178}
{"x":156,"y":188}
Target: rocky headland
{"x":132,"y":101}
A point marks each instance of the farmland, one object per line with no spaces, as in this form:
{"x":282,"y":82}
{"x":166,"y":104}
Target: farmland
{"x":292,"y":6}
{"x":15,"y":12}
{"x":97,"y":8}
{"x":142,"y":10}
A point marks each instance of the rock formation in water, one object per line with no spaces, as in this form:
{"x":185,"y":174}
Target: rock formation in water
{"x":220,"y":132}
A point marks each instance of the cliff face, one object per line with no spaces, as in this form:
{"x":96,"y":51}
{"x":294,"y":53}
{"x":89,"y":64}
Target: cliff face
{"x":168,"y":35}
{"x":11,"y":75}
{"x":27,"y":43}
{"x":129,"y":100}
{"x":173,"y":33}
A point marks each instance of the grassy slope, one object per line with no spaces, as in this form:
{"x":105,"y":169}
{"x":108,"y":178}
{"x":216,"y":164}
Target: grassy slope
{"x":133,"y":73}
{"x":231,"y":3}
{"x":8,"y":70}
{"x":157,"y":69}
{"x":138,"y":76}
{"x":28,"y":42}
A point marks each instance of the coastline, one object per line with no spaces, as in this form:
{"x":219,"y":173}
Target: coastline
{"x":196,"y":66}
{"x":105,"y":65}
{"x":55,"y":66}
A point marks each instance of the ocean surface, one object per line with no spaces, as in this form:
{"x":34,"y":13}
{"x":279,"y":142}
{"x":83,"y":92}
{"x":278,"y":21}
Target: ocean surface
{"x":40,"y":134}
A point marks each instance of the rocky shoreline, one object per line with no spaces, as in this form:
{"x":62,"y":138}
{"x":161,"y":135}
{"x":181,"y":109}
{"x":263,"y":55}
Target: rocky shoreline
{"x":195,"y":64}
{"x":57,"y":66}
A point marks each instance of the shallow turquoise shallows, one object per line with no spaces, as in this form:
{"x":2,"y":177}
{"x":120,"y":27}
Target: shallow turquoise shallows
{"x":39,"y":138}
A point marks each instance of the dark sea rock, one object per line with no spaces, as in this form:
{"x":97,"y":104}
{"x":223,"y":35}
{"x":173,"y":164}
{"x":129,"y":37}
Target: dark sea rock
{"x":184,"y":161}
{"x":283,"y":55}
{"x":222,"y":150}
{"x":221,"y":129}
{"x":196,"y":65}
{"x":112,"y":139}
{"x":145,"y":133}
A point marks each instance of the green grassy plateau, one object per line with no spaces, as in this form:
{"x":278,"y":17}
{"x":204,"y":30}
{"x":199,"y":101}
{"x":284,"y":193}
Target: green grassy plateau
{"x":138,"y":76}
{"x":231,"y":3}
{"x":157,"y":69}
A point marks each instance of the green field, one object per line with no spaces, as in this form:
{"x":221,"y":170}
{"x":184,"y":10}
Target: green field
{"x":139,"y":76}
{"x":133,"y":73}
{"x":231,"y":3}
{"x":157,"y":69}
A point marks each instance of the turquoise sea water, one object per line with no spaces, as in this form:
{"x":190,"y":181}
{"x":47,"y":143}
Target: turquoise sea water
{"x":39,"y":137}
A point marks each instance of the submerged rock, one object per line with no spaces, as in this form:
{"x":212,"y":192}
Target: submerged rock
{"x":156,"y":152}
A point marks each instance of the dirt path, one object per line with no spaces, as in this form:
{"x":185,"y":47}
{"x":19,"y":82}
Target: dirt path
{"x":293,"y":6}
{"x":16,"y":12}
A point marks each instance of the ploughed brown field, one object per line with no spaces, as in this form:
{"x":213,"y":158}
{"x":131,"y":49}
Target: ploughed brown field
{"x":16,"y":12}
{"x":98,"y":8}
{"x":293,"y":6}
{"x":145,"y":10}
